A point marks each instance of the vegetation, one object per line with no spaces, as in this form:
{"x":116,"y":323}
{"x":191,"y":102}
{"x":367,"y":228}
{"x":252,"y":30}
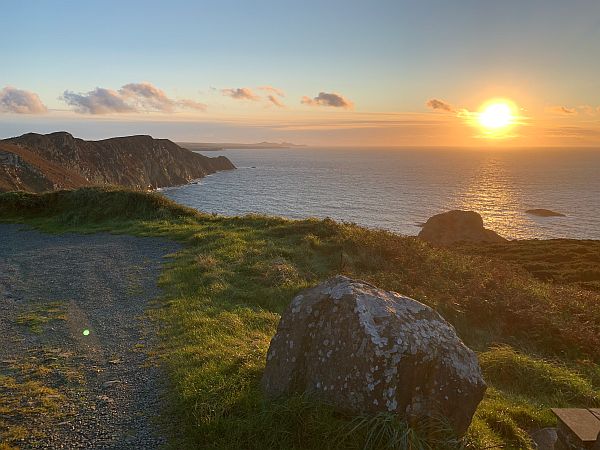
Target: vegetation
{"x":561,"y":261}
{"x":42,"y":314}
{"x":538,"y":343}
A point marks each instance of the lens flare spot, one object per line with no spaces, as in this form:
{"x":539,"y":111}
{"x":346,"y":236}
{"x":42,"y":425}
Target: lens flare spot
{"x":86,"y":332}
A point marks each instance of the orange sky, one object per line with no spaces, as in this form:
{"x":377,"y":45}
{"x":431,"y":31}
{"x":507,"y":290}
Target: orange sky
{"x":340,"y":72}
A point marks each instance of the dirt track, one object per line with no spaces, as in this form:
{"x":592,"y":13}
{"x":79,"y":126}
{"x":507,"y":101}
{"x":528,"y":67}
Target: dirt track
{"x":52,"y":289}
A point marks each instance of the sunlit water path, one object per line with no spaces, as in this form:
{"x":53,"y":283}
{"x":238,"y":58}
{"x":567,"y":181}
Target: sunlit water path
{"x":397,"y":190}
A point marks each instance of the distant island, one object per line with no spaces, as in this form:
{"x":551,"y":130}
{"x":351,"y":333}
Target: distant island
{"x":541,"y":212}
{"x":42,"y":162}
{"x":219,"y":146}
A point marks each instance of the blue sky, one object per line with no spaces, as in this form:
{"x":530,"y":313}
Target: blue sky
{"x":383,"y":56}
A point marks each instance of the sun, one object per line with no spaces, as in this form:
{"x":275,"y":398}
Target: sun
{"x":496,"y":115}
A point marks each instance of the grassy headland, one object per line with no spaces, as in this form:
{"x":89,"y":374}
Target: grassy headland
{"x":538,"y":342}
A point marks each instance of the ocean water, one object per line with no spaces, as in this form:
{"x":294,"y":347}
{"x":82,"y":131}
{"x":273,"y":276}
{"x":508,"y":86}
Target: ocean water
{"x":398,"y":189}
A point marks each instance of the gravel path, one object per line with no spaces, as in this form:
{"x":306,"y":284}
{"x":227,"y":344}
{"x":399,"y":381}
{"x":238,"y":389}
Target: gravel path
{"x":102,"y":283}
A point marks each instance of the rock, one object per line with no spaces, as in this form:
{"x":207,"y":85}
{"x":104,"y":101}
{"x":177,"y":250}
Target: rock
{"x":457,"y":226}
{"x":366,"y":350}
{"x":39,"y":162}
{"x":544,"y":213}
{"x":545,"y":439}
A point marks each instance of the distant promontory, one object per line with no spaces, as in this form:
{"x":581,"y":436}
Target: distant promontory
{"x":219,"y":146}
{"x":41,"y":162}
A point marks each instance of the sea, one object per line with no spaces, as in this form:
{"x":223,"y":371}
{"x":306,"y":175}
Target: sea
{"x":399,"y":189}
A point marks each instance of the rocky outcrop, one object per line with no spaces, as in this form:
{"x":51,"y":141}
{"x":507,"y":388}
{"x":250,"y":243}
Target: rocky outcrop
{"x":544,"y":213}
{"x":366,"y":350}
{"x":457,"y":226}
{"x":23,"y":170}
{"x":139,"y":162}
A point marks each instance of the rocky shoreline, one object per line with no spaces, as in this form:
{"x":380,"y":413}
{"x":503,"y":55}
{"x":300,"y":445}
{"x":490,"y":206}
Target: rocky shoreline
{"x":38,"y":163}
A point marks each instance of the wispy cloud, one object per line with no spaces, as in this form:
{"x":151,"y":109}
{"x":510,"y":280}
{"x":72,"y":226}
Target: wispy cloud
{"x":275,"y":101}
{"x":13,"y":100}
{"x":576,"y":132}
{"x":240,"y":94}
{"x":272,"y":90}
{"x":192,"y":104}
{"x":132,"y":97}
{"x":274,"y":95}
{"x":561,"y":110}
{"x":328,"y":99}
{"x":440,"y":105}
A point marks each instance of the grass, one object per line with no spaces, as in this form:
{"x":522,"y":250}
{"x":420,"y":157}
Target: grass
{"x":41,"y":314}
{"x":224,"y":292}
{"x":561,"y":261}
{"x":33,"y":395}
{"x":21,"y":403}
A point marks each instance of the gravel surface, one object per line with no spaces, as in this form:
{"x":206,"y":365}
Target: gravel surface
{"x":102,"y":283}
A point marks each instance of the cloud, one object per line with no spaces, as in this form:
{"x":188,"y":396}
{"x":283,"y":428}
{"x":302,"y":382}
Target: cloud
{"x":275,"y":101}
{"x":240,"y":94}
{"x":98,"y":101}
{"x":561,"y":110}
{"x":17,"y":101}
{"x":147,"y":96}
{"x":272,"y":90}
{"x":572,"y":132}
{"x":192,"y":104}
{"x":132,"y":97}
{"x":328,"y":99}
{"x":441,"y":105}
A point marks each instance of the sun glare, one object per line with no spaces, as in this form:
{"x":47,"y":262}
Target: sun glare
{"x":496,"y":115}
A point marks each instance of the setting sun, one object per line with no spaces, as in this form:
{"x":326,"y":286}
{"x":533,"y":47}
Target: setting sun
{"x":496,"y":115}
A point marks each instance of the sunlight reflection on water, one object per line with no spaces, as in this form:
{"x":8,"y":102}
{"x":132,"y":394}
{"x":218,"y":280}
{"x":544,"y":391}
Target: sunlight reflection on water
{"x":396,"y":190}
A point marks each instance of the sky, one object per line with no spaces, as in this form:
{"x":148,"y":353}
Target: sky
{"x":360,"y":73}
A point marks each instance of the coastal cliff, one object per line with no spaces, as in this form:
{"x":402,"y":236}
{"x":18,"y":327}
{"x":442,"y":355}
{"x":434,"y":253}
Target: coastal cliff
{"x":37,"y":162}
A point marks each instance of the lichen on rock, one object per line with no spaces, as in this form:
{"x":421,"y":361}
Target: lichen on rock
{"x":367,"y":350}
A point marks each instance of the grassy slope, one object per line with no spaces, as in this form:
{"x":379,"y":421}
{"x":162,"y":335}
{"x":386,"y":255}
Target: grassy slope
{"x":539,"y":344}
{"x":562,"y":261}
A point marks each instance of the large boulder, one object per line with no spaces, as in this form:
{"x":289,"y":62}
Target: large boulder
{"x":457,"y":226}
{"x":366,"y":350}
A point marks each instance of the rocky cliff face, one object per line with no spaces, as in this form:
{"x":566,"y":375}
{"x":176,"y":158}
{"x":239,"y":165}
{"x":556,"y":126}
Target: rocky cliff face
{"x":139,"y":162}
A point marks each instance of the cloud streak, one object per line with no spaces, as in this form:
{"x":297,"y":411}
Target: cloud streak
{"x":131,"y":98}
{"x":240,"y":94}
{"x":13,"y":100}
{"x":272,"y":90}
{"x":275,"y":101}
{"x":561,"y":110}
{"x":439,"y":105}
{"x":328,"y":99}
